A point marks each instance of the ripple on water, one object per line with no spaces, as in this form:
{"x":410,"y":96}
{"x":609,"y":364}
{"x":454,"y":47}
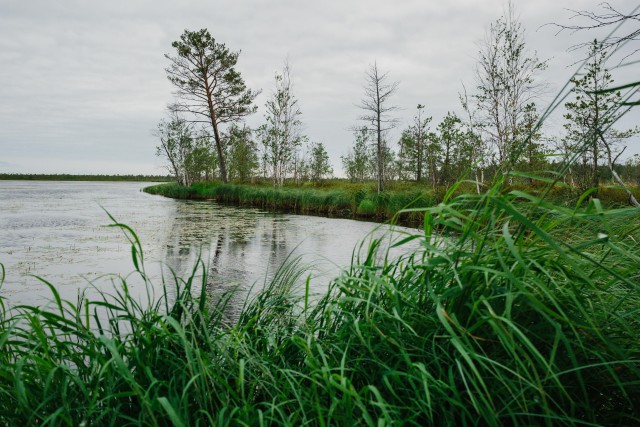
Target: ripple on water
{"x":25,"y":222}
{"x":57,"y":231}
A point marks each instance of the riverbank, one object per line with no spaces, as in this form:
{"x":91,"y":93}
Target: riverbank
{"x":346,"y":201}
{"x":361,"y":201}
{"x":525,"y":314}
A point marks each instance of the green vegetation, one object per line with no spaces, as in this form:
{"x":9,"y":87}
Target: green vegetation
{"x":69,"y":177}
{"x":208,"y":86}
{"x":498,"y":129}
{"x":338,"y":200}
{"x":508,"y":308}
{"x":361,"y":200}
{"x":516,"y":312}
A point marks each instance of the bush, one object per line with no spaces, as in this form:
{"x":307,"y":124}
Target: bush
{"x":366,"y":208}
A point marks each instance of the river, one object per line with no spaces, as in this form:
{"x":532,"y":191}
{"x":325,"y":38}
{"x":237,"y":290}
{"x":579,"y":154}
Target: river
{"x":59,"y":231}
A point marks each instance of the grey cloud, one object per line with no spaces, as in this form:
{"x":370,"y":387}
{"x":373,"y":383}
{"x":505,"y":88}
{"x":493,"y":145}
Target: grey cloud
{"x":85,"y":80}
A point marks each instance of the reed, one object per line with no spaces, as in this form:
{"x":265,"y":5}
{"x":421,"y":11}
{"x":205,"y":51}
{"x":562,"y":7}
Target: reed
{"x":345,"y":201}
{"x":517,"y":311}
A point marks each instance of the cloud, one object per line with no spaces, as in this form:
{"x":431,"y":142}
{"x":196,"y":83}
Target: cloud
{"x":86,"y":81}
{"x":7,"y":165}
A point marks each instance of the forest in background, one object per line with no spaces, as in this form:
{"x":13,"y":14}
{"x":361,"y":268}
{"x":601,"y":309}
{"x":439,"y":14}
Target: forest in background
{"x":501,"y":128}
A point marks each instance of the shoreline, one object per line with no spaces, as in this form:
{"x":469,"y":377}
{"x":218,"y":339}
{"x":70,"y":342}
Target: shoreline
{"x":328,"y":203}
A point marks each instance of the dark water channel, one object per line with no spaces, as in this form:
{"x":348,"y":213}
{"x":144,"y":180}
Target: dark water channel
{"x":59,"y":231}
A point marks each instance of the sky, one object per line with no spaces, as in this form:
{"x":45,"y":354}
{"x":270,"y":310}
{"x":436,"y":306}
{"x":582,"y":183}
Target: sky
{"x":83,"y":83}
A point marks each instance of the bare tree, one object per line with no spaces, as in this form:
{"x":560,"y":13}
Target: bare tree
{"x":208,"y":86}
{"x":506,"y":83}
{"x":609,"y":17}
{"x":375,"y":104}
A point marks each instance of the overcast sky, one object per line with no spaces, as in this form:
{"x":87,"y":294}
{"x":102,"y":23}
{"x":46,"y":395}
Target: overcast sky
{"x":82,"y":83}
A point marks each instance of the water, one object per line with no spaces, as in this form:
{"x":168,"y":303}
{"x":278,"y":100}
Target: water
{"x":60,"y":232}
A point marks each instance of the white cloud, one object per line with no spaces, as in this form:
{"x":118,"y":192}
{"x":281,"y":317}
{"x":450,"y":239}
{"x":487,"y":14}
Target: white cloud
{"x":84,"y":82}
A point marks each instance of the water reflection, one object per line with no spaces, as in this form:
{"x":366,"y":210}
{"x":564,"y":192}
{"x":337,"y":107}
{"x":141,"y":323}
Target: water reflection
{"x":243,"y":248}
{"x":56,"y":230}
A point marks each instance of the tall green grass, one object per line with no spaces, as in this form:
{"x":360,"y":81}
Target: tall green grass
{"x":346,"y":201}
{"x":358,"y":200}
{"x":516,"y":311}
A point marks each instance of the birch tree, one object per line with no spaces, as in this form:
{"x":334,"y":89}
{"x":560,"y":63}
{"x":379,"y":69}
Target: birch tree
{"x":281,"y":135}
{"x":175,"y":145}
{"x":506,"y":77}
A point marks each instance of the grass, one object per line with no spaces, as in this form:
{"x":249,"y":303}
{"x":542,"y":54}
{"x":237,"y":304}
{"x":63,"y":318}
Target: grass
{"x":337,"y":200}
{"x":517,"y":311}
{"x":507,"y":309}
{"x":360,"y":200}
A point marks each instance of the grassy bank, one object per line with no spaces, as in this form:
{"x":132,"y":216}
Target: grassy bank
{"x":526,"y":313}
{"x":348,"y":200}
{"x":345,"y":200}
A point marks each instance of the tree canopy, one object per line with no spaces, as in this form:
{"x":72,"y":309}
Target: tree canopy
{"x":208,"y":87}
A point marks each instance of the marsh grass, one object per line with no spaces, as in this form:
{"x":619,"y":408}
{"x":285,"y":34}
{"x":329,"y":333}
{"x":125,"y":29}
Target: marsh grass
{"x":361,"y":201}
{"x":345,"y":200}
{"x":516,"y":311}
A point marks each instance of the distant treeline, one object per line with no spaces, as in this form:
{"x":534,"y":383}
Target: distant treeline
{"x":68,"y":177}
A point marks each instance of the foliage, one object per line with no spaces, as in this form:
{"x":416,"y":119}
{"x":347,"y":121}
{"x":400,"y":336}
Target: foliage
{"x":281,"y":136}
{"x":413,"y":147}
{"x":505,"y":309}
{"x":455,"y":149}
{"x":506,"y":84}
{"x":208,"y":86}
{"x":590,"y":135}
{"x":319,"y":164}
{"x":189,"y":156}
{"x":515,"y":311}
{"x":532,"y":152}
{"x":366,"y":207}
{"x":334,"y":200}
{"x":242,"y":153}
{"x":356,"y":162}
{"x":631,"y":171}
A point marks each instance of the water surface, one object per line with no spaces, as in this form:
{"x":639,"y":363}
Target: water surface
{"x":60,"y":231}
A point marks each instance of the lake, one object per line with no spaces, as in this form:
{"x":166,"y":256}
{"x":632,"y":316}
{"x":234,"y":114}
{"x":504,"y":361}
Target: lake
{"x":60,"y":231}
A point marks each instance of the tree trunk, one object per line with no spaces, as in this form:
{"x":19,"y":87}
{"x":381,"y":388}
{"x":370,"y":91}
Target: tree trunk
{"x":216,"y":136}
{"x":379,"y":147}
{"x":616,"y":177}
